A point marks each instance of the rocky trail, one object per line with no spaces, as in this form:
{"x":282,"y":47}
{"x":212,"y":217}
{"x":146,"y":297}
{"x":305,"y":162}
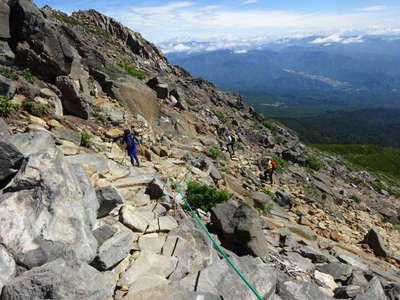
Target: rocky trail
{"x":77,"y":221}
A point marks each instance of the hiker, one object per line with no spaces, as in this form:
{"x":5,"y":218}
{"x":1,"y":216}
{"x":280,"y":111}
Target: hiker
{"x":132,"y":143}
{"x":270,"y":168}
{"x":230,"y":143}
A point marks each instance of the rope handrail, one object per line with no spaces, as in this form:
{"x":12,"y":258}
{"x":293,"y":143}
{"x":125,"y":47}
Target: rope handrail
{"x":230,"y":262}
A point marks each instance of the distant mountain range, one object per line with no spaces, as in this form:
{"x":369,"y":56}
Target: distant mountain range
{"x":316,"y":70}
{"x":331,"y":89}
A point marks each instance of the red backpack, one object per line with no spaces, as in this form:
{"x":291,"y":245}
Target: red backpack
{"x":274,"y":164}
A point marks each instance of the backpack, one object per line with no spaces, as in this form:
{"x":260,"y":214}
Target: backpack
{"x":274,"y":164}
{"x":130,"y":141}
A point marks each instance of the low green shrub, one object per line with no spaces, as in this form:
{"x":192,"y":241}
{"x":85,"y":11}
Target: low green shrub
{"x":214,"y":153}
{"x":314,"y":163}
{"x":270,"y":124}
{"x":86,"y":140}
{"x":132,"y":71}
{"x":355,"y":198}
{"x":204,"y":196}
{"x":27,"y":74}
{"x":397,"y":227}
{"x":36,"y":109}
{"x":9,"y":73}
{"x":6,"y":106}
{"x":269,"y":193}
{"x":221,"y":116}
{"x":100,"y":116}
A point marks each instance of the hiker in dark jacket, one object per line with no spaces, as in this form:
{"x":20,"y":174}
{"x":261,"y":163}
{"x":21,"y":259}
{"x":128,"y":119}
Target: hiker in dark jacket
{"x":230,"y":144}
{"x":132,"y":143}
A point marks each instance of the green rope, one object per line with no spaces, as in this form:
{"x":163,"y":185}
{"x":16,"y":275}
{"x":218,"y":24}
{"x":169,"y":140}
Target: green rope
{"x":218,"y":247}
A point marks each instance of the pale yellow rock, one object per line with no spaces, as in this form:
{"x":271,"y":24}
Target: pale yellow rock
{"x":55,"y":124}
{"x":69,"y":148}
{"x":18,"y":99}
{"x":38,"y":121}
{"x":114,"y":133}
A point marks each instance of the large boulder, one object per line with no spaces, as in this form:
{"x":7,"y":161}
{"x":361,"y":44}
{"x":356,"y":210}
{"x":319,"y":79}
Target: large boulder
{"x":220,"y":279}
{"x":4,"y":20}
{"x":340,"y":272}
{"x":74,"y":102}
{"x":10,"y":161}
{"x":260,"y":199}
{"x":7,"y":87}
{"x":108,"y":198}
{"x":374,"y":240}
{"x":7,"y":267}
{"x":48,"y":211}
{"x":239,"y":229}
{"x":32,"y":142}
{"x":373,"y":291}
{"x":61,"y":280}
{"x":300,"y":290}
{"x":114,"y":249}
{"x":39,"y":41}
{"x":191,"y":246}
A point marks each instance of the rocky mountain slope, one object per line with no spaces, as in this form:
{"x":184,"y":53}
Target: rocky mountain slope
{"x":78,"y":222}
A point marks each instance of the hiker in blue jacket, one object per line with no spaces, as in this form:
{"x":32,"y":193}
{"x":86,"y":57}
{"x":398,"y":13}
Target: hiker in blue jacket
{"x":132,"y":144}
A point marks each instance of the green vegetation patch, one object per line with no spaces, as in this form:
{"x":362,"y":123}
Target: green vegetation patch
{"x":370,"y":157}
{"x":214,"y":153}
{"x":314,"y":163}
{"x":221,"y":116}
{"x":36,"y":109}
{"x":270,"y":124}
{"x":9,"y":73}
{"x":132,"y":71}
{"x":204,"y":196}
{"x":355,"y":198}
{"x":6,"y":106}
{"x":269,"y":193}
{"x":86,"y":140}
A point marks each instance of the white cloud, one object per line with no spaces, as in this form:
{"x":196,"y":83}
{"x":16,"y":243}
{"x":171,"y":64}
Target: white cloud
{"x":243,"y":51}
{"x":336,"y":38}
{"x":250,"y":1}
{"x":374,"y":8}
{"x":187,"y":18}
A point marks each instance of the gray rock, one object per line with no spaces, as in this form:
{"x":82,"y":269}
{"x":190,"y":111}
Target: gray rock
{"x":42,"y":219}
{"x":68,"y":135}
{"x":350,"y":260}
{"x":4,"y":20}
{"x":239,"y":229}
{"x":7,"y":267}
{"x":74,"y":102}
{"x":159,"y":87}
{"x":302,"y":231}
{"x":190,"y":245}
{"x":6,"y":54}
{"x":316,"y":256}
{"x":215,"y":173}
{"x":302,"y":263}
{"x":346,"y":292}
{"x":149,"y":263}
{"x":7,"y":87}
{"x":284,"y":198}
{"x":49,"y":94}
{"x":157,"y":189}
{"x":4,"y":130}
{"x":61,"y":280}
{"x":340,"y":272}
{"x":169,"y":292}
{"x":104,"y":233}
{"x":32,"y":142}
{"x":114,"y":114}
{"x":260,"y":199}
{"x":286,"y":239}
{"x":108,"y":198}
{"x":97,"y":161}
{"x":375,"y":290}
{"x":219,"y":279}
{"x":113,"y":250}
{"x":392,"y":290}
{"x":10,"y":161}
{"x":300,"y":290}
{"x":374,"y":240}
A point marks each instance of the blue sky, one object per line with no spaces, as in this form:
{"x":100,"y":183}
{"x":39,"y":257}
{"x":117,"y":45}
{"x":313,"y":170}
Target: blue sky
{"x":161,"y":21}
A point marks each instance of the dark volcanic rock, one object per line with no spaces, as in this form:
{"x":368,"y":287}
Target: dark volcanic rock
{"x":108,"y":198}
{"x":239,"y":229}
{"x":374,"y":240}
{"x":10,"y":161}
{"x":338,"y":271}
